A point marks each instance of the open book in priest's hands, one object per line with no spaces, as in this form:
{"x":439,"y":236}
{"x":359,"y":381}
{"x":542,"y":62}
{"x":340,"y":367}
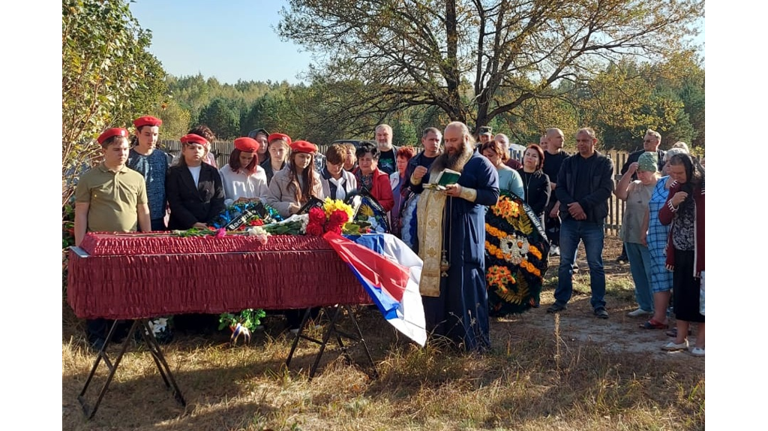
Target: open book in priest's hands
{"x":444,"y":178}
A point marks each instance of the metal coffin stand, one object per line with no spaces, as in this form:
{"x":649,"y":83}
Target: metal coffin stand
{"x":334,"y":314}
{"x":141,"y":325}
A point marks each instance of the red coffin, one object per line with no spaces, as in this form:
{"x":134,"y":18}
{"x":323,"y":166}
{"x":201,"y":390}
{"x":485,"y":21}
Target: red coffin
{"x":133,"y":276}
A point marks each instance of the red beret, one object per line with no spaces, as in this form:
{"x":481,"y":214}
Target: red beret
{"x":303,"y":147}
{"x":193,"y":139}
{"x":147,"y":121}
{"x":282,"y":136}
{"x":110,"y":133}
{"x":247,"y":145}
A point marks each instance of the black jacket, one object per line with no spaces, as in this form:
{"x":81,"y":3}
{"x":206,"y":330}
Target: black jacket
{"x":190,"y":204}
{"x":599,"y":187}
{"x":537,"y":190}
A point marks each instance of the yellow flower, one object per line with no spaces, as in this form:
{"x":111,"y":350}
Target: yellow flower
{"x":331,"y":205}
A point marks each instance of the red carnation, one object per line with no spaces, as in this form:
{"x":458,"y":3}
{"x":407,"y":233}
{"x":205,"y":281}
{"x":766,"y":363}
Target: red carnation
{"x":316,"y":215}
{"x":257,"y":222}
{"x":314,"y":229}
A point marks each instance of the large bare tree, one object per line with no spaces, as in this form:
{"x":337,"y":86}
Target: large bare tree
{"x":477,"y":59}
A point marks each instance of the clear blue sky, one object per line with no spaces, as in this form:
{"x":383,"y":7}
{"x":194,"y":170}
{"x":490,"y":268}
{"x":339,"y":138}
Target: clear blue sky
{"x":230,"y":39}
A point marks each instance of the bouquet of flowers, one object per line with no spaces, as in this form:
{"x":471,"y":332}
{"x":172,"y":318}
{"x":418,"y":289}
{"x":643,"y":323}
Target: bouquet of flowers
{"x":293,"y":225}
{"x":332,"y":217}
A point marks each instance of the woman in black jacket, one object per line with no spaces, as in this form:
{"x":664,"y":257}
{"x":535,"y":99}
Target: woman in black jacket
{"x":535,"y":181}
{"x":193,"y":188}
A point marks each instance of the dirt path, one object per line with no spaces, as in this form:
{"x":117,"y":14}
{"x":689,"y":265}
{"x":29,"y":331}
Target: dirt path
{"x":577,"y":325}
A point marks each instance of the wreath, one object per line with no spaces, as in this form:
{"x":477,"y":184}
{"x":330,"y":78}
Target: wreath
{"x":370,"y":213}
{"x":516,"y":256}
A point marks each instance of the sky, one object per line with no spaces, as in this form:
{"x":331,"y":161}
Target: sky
{"x":219,"y":39}
{"x":231,"y":40}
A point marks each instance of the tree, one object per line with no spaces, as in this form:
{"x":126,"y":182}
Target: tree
{"x":107,"y":77}
{"x":462,"y":55}
{"x":176,"y":121}
{"x":629,"y":97}
{"x":222,"y":117}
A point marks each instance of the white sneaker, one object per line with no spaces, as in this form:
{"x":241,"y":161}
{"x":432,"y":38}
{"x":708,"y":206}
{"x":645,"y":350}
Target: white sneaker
{"x":554,"y":251}
{"x":674,"y":347}
{"x":697,"y":351}
{"x":639,"y":312}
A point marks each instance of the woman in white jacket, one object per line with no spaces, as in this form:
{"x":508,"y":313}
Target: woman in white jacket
{"x":242,"y":177}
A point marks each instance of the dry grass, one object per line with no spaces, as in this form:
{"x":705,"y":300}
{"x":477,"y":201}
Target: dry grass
{"x":539,"y":376}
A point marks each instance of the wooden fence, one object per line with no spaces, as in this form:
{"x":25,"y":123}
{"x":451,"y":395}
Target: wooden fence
{"x":222,"y":149}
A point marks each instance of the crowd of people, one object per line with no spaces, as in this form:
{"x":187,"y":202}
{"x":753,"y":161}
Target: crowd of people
{"x":554,"y":196}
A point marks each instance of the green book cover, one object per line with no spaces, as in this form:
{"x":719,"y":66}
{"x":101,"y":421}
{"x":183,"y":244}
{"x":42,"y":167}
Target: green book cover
{"x":448,"y":176}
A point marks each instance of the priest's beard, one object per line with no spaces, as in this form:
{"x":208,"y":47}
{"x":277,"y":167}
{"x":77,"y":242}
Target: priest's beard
{"x":455,"y":161}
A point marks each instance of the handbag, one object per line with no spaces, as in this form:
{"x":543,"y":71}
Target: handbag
{"x":703,"y":294}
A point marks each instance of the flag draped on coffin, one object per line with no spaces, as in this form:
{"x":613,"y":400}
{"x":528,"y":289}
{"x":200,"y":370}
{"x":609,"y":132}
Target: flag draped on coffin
{"x":391,"y":278}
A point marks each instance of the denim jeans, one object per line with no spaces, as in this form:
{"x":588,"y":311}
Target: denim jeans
{"x":640,"y":267}
{"x":592,"y":234}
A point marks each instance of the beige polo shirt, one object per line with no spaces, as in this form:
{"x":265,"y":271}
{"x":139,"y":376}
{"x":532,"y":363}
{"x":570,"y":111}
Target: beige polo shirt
{"x":114,"y":198}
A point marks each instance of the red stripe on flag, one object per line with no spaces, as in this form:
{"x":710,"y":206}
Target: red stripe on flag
{"x":380,"y":271}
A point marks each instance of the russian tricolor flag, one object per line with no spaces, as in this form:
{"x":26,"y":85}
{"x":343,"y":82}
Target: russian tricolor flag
{"x":391,"y":278}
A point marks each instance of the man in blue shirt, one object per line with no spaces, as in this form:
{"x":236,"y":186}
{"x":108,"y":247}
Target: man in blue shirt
{"x":152,"y":163}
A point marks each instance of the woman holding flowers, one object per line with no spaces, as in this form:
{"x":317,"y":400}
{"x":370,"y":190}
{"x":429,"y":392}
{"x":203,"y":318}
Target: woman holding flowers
{"x":297,"y":182}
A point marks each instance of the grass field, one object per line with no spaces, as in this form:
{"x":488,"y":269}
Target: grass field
{"x":545,"y":372}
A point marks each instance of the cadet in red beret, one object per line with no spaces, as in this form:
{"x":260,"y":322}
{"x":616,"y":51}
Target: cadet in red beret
{"x":276,"y":155}
{"x":206,"y":133}
{"x":192,"y":138}
{"x":109,"y":198}
{"x":152,"y":163}
{"x":276,"y":136}
{"x":103,"y":139}
{"x":303,"y":147}
{"x":290,"y":189}
{"x":242,"y":177}
{"x":147,"y":120}
{"x":195,"y":196}
{"x":194,"y":189}
{"x":318,"y":160}
{"x":247,"y":145}
{"x":294,"y":185}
